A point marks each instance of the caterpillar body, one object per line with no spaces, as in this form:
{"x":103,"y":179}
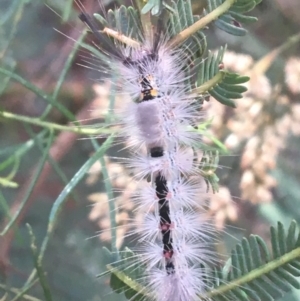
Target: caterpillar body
{"x":159,"y":126}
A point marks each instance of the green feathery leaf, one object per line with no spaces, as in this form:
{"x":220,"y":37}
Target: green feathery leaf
{"x":226,"y":87}
{"x":181,"y":19}
{"x":258,"y":274}
{"x":208,"y":166}
{"x":231,"y":22}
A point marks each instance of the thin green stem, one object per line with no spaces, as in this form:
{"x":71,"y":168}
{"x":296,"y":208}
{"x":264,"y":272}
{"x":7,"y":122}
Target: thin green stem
{"x":27,"y":285}
{"x":59,"y":202}
{"x":64,"y":72}
{"x":4,"y":208}
{"x":16,"y":291}
{"x":111,"y":203}
{"x":121,"y":38}
{"x":51,"y":161}
{"x":255,"y":274}
{"x":13,"y":27}
{"x":186,"y":33}
{"x":24,"y":290}
{"x":128,"y":281}
{"x":38,"y":266}
{"x":263,"y":64}
{"x":31,"y":186}
{"x":67,"y":10}
{"x":40,"y":93}
{"x":53,"y":126}
{"x":8,"y":183}
{"x":210,"y":83}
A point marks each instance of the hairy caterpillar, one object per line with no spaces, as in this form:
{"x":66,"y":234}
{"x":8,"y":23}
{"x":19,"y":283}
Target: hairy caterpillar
{"x":155,"y":71}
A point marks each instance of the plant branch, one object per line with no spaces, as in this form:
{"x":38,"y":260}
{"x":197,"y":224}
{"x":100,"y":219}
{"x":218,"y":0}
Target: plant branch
{"x":121,"y":38}
{"x":38,"y":266}
{"x":128,"y":281}
{"x":210,"y":83}
{"x":254,"y":274}
{"x":16,"y":291}
{"x":39,"y":92}
{"x":54,"y":126}
{"x":185,"y":34}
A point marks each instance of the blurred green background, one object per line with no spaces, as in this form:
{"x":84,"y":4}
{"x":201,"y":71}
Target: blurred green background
{"x":34,"y":46}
